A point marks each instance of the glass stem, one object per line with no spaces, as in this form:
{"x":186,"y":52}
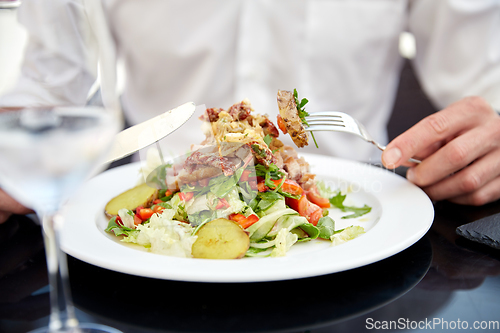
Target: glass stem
{"x":62,"y":312}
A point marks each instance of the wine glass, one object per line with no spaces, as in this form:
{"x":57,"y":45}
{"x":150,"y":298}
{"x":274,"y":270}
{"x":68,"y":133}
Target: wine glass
{"x":51,"y":140}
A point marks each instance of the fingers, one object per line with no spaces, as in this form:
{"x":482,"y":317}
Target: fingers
{"x":4,"y":216}
{"x":423,"y":154}
{"x":458,"y":154}
{"x":472,"y":183}
{"x":488,"y":193}
{"x":10,"y":206}
{"x":459,"y":117}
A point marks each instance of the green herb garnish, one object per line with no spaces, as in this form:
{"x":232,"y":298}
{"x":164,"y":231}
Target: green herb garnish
{"x":302,"y":111}
{"x":270,"y":173}
{"x":267,"y":139}
{"x":259,"y":151}
{"x":338,"y":201}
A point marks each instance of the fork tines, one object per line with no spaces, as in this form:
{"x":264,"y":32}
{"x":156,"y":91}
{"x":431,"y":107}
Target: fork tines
{"x":323,"y":121}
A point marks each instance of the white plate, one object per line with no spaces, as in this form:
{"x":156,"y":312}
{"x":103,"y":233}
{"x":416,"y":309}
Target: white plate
{"x":401,"y":214}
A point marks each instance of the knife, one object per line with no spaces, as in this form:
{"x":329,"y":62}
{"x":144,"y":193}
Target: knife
{"x":148,"y":132}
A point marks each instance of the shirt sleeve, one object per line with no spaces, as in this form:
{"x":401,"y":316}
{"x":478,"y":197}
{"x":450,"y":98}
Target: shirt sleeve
{"x":60,"y":60}
{"x":458,"y":49}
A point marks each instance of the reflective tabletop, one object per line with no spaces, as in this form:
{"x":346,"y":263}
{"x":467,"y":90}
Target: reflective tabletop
{"x":441,"y":283}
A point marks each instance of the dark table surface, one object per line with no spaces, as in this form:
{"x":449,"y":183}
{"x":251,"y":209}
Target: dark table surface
{"x":441,"y":283}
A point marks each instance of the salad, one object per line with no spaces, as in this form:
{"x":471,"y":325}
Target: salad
{"x":240,"y":193}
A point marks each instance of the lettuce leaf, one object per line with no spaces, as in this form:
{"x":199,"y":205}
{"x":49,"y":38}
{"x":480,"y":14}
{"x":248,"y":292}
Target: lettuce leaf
{"x":283,"y":242}
{"x":326,"y":227}
{"x":255,"y":252}
{"x":164,"y":235}
{"x":347,"y":234}
{"x":119,"y":230}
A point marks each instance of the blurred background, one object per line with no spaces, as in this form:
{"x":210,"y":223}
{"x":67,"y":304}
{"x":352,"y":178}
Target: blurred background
{"x":410,"y":106}
{"x":13,"y":35}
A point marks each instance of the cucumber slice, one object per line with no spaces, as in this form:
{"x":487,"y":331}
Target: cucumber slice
{"x":262,"y":227}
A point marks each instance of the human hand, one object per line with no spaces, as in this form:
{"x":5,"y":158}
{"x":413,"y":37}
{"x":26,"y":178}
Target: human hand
{"x":460,"y":151}
{"x":9,"y":206}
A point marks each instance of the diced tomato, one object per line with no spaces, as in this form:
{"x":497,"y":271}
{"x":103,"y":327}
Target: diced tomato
{"x":293,"y":203}
{"x":118,"y":220}
{"x":137,"y":214}
{"x":186,"y":196}
{"x":167,"y":194}
{"x":289,"y":186}
{"x":244,"y":175}
{"x":314,"y":213}
{"x":305,"y":208}
{"x":236,"y":217}
{"x":158,"y":209}
{"x":137,"y":219}
{"x":314,"y":196}
{"x":157,"y":201}
{"x":222,"y":204}
{"x":248,"y":221}
{"x":245,"y":222}
{"x":298,"y":205}
{"x":145,"y":213}
{"x":252,"y":180}
{"x":281,"y":124}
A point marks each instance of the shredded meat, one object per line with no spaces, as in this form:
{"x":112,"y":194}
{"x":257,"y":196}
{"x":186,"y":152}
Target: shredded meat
{"x":296,"y":168}
{"x":226,"y":164}
{"x":197,"y":173}
{"x":290,"y":116}
{"x":293,"y":169}
{"x":269,"y":127}
{"x":240,"y":111}
{"x":307,"y":181}
{"x":262,"y":154}
{"x":213,"y":159}
{"x":212,"y":114}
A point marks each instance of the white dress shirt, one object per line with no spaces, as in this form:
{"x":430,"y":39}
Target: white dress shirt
{"x":341,"y":55}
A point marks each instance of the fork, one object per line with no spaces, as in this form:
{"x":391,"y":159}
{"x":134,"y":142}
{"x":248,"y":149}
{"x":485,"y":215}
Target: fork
{"x":341,"y":122}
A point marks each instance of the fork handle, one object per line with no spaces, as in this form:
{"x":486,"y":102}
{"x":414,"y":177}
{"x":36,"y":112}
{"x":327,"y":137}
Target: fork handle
{"x":382,"y":148}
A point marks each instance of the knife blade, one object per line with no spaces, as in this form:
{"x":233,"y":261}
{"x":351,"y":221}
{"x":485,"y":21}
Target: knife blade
{"x":137,"y":137}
